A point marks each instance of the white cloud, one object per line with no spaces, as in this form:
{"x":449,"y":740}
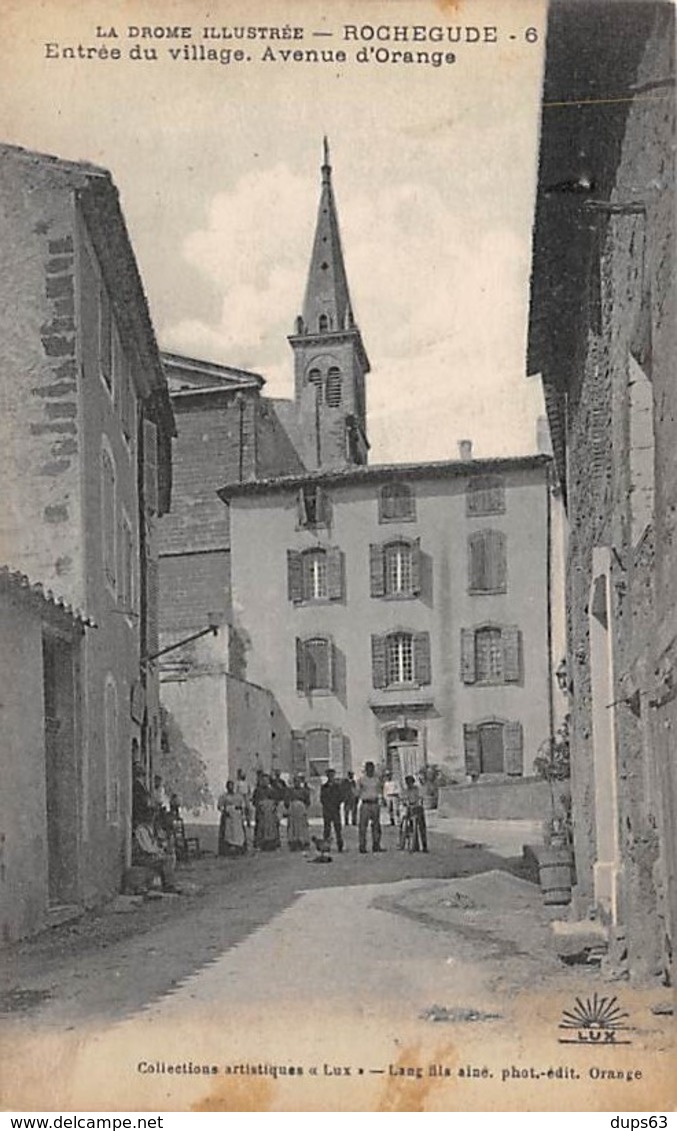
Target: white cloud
{"x":441,"y":305}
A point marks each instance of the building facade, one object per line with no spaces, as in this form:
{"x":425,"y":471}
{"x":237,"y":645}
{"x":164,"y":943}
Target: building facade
{"x":603,"y":338}
{"x":86,"y":466}
{"x":400,"y":614}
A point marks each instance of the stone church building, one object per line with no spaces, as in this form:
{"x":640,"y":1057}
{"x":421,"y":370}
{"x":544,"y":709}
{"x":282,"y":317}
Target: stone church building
{"x":400,"y":613}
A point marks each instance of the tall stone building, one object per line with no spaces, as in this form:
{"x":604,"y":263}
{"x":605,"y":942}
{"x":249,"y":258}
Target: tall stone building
{"x":602,"y":336}
{"x":85,"y":460}
{"x":401,"y":613}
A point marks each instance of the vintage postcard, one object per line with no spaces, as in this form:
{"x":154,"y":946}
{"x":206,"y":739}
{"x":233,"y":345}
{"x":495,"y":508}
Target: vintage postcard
{"x":338,"y":580}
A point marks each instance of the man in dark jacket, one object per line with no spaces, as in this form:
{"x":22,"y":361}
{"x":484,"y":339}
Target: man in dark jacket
{"x":331,"y":796}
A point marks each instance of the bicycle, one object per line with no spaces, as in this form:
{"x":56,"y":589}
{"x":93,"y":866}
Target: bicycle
{"x":408,"y":831}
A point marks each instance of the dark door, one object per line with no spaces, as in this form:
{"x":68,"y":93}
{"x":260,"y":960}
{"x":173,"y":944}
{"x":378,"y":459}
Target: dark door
{"x":491,"y":748}
{"x":61,"y":779}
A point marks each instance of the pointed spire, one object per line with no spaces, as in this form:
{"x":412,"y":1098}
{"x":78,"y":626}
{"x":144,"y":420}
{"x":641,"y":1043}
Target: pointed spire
{"x":326,"y":306}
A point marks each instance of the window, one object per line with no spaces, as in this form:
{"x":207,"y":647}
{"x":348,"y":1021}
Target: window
{"x":315,"y":575}
{"x":313,"y":506}
{"x":111,"y":751}
{"x":400,"y":658}
{"x":108,"y":523}
{"x":333,"y":390}
{"x":494,"y":747}
{"x":323,"y":323}
{"x":488,"y":655}
{"x":487,"y":564}
{"x":317,"y":751}
{"x":315,"y":665}
{"x":491,"y":654}
{"x":105,"y":338}
{"x":126,"y":592}
{"x":395,"y":568}
{"x":485,"y":495}
{"x":396,"y":502}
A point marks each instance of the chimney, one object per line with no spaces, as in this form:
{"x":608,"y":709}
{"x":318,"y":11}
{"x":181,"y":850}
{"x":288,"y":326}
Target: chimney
{"x":465,"y":449}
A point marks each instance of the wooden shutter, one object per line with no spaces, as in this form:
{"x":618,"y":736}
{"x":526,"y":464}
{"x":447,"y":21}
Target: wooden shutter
{"x":471,"y":743}
{"x":294,"y":576}
{"x":301,"y":505}
{"x":378,"y":661}
{"x":336,"y":752}
{"x":496,"y":560}
{"x":468,"y":673}
{"x":301,"y":666}
{"x":334,"y":574}
{"x":476,"y":562}
{"x":422,"y":673}
{"x":298,"y":752}
{"x":416,"y":567}
{"x":511,"y":638}
{"x":332,"y":658}
{"x":322,"y":507}
{"x":377,"y":573}
{"x":513,"y":746}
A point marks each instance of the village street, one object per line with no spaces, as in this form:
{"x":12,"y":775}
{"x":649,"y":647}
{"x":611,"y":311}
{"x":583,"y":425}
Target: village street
{"x":382,"y":968}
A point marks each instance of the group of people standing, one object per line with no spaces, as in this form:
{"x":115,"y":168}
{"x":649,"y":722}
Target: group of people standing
{"x":254,"y":817}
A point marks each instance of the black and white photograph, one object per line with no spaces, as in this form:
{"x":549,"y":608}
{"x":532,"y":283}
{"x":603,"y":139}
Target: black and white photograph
{"x":338,"y":556}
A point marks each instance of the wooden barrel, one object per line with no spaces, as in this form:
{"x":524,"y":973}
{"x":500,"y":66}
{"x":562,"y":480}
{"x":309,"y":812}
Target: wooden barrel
{"x":554,"y":868}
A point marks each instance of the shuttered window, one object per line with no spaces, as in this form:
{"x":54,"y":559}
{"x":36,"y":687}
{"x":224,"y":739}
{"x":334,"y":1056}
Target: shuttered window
{"x":395,"y":569}
{"x":485,"y":495}
{"x":487,"y":562}
{"x":491,"y":654}
{"x":493,"y":747}
{"x":315,"y":664}
{"x":400,"y":658}
{"x":396,"y":503}
{"x":315,"y":575}
{"x":313,"y":507}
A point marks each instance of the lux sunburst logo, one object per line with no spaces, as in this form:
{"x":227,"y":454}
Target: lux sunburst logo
{"x":596,"y":1020}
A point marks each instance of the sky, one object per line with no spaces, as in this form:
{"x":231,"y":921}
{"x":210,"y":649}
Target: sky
{"x":218,"y":167}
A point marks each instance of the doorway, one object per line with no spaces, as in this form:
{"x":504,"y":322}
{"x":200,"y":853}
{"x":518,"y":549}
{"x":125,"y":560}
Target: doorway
{"x":403,"y":751}
{"x":61,"y":770}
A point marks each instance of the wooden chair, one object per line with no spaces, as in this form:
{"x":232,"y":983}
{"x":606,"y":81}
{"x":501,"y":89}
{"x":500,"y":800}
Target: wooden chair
{"x":187,"y":847}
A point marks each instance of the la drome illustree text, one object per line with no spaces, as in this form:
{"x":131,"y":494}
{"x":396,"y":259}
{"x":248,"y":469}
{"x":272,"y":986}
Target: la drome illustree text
{"x":286,"y":43}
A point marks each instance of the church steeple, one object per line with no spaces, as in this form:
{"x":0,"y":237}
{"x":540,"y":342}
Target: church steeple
{"x":326,"y":305}
{"x":330,"y":359}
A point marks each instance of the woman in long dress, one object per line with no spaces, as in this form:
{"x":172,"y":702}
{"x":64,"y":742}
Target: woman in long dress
{"x":232,"y":837}
{"x":268,"y":820}
{"x":298,"y":835}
